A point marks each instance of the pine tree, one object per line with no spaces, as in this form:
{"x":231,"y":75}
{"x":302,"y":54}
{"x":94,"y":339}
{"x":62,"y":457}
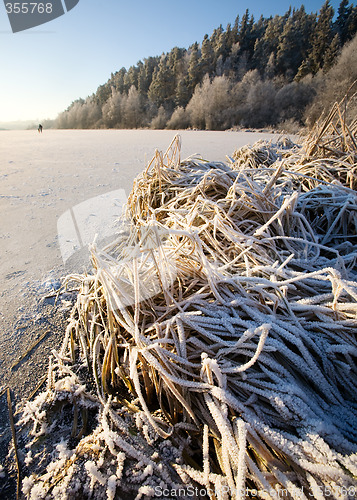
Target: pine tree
{"x":222,"y":46}
{"x":103,"y":93}
{"x":131,"y":78}
{"x":343,"y":20}
{"x":268,"y":44}
{"x":235,"y":31}
{"x":321,"y":38}
{"x":271,"y":66}
{"x":331,"y":53}
{"x":118,"y":80}
{"x":182,"y":93}
{"x":215,"y":38}
{"x":352,"y":23}
{"x":244,"y":32}
{"x":207,"y":60}
{"x":194,"y":73}
{"x":162,"y":88}
{"x":294,"y":42}
{"x":142,"y":82}
{"x":258,"y":29}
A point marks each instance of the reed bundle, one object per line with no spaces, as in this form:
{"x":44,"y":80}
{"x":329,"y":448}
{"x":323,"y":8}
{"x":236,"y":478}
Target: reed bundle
{"x":328,"y":153}
{"x":224,"y":317}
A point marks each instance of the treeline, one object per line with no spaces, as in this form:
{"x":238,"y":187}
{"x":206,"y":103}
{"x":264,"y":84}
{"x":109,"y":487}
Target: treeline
{"x":252,"y":74}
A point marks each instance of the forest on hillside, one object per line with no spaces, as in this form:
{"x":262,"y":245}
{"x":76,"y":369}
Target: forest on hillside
{"x":276,"y":72}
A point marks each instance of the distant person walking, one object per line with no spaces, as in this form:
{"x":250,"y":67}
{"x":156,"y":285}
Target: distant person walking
{"x":40,"y":129}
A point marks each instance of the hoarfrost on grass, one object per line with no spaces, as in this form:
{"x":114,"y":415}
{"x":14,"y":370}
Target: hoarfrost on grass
{"x":247,"y":358}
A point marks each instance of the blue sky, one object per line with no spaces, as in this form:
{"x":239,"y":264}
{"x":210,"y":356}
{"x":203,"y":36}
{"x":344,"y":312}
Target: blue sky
{"x":44,"y":69}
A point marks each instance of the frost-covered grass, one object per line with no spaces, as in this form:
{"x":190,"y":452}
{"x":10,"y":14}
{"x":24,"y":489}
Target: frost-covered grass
{"x":237,"y":373}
